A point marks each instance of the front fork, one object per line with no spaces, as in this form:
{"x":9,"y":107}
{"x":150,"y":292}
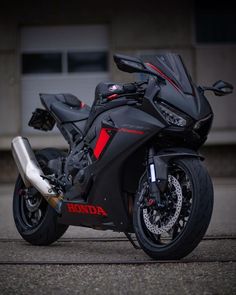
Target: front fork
{"x":157,"y":177}
{"x":157,"y":169}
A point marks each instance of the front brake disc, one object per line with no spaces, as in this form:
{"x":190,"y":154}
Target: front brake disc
{"x":161,"y":228}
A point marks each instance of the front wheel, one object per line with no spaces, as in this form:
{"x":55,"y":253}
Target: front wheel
{"x":175,"y":230}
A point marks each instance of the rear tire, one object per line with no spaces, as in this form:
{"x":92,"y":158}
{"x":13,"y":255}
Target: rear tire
{"x":46,"y":229}
{"x":183,"y":241}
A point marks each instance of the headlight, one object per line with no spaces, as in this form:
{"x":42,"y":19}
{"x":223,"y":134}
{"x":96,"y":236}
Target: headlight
{"x":170,"y":115}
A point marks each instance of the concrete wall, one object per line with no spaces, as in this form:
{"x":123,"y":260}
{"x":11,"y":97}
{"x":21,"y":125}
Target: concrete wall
{"x":213,"y":63}
{"x":9,"y":81}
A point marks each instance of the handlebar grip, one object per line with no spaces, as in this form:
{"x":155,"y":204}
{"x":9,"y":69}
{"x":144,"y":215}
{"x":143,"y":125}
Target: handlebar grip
{"x":130,"y":88}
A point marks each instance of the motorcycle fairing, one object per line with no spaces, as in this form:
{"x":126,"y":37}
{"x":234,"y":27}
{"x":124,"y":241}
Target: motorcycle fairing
{"x":172,"y":66}
{"x":176,"y":88}
{"x":107,"y":170}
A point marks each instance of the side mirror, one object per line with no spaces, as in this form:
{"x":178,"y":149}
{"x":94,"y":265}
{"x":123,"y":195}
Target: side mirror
{"x":222,"y":88}
{"x":129,"y":64}
{"x":134,"y":65}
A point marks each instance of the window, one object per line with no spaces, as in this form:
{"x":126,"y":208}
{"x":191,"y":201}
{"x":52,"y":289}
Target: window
{"x":215,"y":22}
{"x":41,"y":63}
{"x":87,"y":62}
{"x":61,"y":59}
{"x":64,"y":62}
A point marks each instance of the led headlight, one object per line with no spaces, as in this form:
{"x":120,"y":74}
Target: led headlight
{"x":170,"y":115}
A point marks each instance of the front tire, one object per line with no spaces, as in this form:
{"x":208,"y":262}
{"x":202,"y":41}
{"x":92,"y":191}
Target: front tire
{"x":193,"y":217}
{"x":35,"y":220}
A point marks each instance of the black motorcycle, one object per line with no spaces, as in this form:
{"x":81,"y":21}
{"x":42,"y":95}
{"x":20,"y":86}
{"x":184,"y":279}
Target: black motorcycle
{"x":132,"y":166}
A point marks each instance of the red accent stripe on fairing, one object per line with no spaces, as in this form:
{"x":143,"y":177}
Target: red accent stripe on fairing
{"x":164,"y":76}
{"x":131,"y":131}
{"x":126,"y":130}
{"x":113,"y":96}
{"x":101,"y":142}
{"x":104,"y":137}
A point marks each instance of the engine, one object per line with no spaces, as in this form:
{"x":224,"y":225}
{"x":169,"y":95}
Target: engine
{"x":77,"y":169}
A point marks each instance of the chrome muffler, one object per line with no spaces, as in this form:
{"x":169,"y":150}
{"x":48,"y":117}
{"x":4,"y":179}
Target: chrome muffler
{"x":31,"y":173}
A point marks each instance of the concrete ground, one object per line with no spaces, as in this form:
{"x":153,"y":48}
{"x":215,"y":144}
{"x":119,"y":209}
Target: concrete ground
{"x":79,"y":263}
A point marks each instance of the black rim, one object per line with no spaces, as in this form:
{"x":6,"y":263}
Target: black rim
{"x":32,"y":207}
{"x":159,"y":218}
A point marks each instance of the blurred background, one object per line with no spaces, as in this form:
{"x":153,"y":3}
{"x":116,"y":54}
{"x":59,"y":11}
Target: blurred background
{"x":67,"y":46}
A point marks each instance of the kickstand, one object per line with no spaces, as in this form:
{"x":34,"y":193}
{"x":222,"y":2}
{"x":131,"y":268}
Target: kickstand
{"x":132,"y":241}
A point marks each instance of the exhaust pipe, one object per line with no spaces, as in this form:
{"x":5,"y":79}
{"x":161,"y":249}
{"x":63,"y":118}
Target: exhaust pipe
{"x":31,"y":173}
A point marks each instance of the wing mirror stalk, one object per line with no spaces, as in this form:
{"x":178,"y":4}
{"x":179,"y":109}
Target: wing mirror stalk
{"x":220,"y":88}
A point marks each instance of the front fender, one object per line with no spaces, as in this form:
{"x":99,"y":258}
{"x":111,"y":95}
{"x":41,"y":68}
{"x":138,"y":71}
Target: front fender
{"x":162,"y":160}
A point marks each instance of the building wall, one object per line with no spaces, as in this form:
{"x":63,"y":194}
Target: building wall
{"x":133,"y":30}
{"x":9,"y":82}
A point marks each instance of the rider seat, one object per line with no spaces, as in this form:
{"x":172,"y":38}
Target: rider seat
{"x":65,"y":107}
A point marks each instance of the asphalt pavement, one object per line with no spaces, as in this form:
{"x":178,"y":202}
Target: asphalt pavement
{"x":123,"y":279}
{"x":114,"y":267}
{"x":86,"y":261}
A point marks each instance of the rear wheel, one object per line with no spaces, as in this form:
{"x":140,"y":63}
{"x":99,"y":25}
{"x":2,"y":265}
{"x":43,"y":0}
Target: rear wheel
{"x":36,"y":221}
{"x":175,"y":230}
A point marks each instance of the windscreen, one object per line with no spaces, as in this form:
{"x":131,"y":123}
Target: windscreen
{"x":172,"y":66}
